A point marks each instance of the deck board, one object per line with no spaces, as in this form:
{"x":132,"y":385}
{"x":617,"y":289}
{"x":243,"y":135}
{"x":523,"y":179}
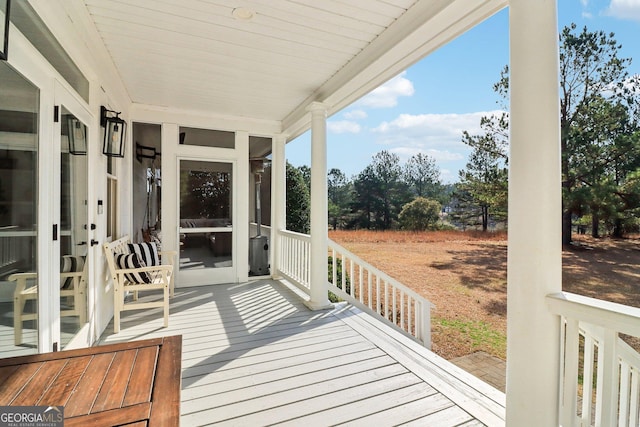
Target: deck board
{"x":352,"y":411}
{"x":282,"y":392}
{"x":404,"y":413}
{"x":244,"y":388}
{"x":253,"y":354}
{"x":452,"y":416}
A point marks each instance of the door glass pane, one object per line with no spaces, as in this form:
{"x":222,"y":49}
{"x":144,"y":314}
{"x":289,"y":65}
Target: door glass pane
{"x":19,"y":101}
{"x":147,"y":183}
{"x":73,"y":227}
{"x":206,"y":229}
{"x":207,"y":137}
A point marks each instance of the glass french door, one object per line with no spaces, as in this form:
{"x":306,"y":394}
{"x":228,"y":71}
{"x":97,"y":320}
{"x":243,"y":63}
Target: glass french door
{"x":73,"y":235}
{"x":43,"y":215}
{"x":19,"y":200}
{"x":206,"y":233}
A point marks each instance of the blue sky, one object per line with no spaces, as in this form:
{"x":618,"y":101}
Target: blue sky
{"x":426,"y":108}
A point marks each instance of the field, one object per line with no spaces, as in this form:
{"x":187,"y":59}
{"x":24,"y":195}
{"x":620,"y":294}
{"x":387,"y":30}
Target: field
{"x":465,"y":275}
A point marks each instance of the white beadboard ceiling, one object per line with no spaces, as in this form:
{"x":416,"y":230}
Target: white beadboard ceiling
{"x":194,"y":55}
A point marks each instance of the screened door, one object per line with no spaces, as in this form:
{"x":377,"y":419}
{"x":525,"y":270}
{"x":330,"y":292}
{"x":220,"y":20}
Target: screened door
{"x":206,"y":236}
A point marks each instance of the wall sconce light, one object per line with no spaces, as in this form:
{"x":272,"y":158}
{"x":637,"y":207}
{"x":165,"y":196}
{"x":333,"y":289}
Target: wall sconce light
{"x":114,"y":132}
{"x":77,"y":136}
{"x":145,"y":152}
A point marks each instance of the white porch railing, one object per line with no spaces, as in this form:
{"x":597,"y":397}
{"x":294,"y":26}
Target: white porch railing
{"x":295,"y":258}
{"x":359,"y":283}
{"x":600,"y":381}
{"x":379,"y":294}
{"x":265,"y":230}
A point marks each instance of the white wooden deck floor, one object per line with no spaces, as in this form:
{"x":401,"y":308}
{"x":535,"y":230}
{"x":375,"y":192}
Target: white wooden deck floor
{"x":253,"y":355}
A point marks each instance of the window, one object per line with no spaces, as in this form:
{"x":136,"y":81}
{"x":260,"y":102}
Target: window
{"x":112,"y":207}
{"x":207,"y":138}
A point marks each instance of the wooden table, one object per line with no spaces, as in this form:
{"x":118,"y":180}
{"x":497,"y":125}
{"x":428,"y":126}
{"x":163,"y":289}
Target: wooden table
{"x":133,"y":384}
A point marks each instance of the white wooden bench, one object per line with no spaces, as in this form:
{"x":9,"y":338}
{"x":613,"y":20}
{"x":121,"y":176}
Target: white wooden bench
{"x":75,"y":294}
{"x":162,"y":278}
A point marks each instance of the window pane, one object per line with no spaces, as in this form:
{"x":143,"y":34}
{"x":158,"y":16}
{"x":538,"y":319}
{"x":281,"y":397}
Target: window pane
{"x":207,"y":138}
{"x":206,"y":232}
{"x":73,"y":227}
{"x":112,"y":207}
{"x":18,"y":213}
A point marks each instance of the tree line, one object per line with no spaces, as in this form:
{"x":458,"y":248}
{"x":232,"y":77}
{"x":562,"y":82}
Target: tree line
{"x":600,"y":162}
{"x":387,"y":194}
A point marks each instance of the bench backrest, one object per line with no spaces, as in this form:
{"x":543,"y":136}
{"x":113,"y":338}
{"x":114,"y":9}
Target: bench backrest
{"x":116,"y":247}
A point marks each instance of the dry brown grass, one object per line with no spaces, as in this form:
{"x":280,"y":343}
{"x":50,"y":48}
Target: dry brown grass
{"x":464,"y":275}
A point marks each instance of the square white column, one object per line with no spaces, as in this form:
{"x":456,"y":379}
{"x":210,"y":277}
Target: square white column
{"x":534,"y":267}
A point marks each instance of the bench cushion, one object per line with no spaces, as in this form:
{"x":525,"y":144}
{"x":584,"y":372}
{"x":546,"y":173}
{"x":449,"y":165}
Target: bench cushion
{"x":128,"y":261}
{"x":147,"y":252}
{"x":70,"y":264}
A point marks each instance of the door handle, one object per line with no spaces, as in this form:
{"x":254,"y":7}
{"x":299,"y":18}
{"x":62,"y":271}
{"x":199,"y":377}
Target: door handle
{"x":94,"y":242}
{"x":82,"y":243}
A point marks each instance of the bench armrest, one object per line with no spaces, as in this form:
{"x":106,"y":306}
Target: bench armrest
{"x":22,"y":276}
{"x":148,"y":269}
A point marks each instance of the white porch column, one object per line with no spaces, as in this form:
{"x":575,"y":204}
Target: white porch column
{"x":278,"y":199}
{"x":535,"y":249}
{"x":319,"y":216}
{"x":241,"y":229}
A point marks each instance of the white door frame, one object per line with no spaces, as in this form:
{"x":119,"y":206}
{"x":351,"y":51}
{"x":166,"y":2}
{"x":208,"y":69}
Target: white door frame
{"x":73,"y":104}
{"x":171,"y":152}
{"x":211,"y":276}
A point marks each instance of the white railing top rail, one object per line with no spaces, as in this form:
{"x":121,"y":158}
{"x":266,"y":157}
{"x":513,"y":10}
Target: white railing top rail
{"x":379,"y":273}
{"x":266,"y":227}
{"x":610,"y":315}
{"x":295,"y":234}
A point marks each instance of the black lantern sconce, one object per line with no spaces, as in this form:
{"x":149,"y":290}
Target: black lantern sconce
{"x":114,"y":132}
{"x":145,"y":152}
{"x":77,"y":133}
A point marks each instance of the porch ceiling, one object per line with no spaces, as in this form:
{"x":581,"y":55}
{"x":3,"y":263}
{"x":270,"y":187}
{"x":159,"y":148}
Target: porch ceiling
{"x":194,"y":55}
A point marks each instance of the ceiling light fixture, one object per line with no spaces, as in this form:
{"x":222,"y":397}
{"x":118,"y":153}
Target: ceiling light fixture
{"x":243,"y":14}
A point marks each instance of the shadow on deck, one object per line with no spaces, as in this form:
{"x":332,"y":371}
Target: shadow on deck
{"x":253,"y":354}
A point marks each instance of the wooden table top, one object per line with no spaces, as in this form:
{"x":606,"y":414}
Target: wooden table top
{"x":135,"y":384}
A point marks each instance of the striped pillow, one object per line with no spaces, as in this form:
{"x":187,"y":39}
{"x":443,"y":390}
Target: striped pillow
{"x":127,"y":261}
{"x":147,"y":252}
{"x":69,"y":264}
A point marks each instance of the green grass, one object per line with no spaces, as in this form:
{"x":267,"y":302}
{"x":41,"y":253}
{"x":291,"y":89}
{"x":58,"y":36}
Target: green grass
{"x":481,"y":334}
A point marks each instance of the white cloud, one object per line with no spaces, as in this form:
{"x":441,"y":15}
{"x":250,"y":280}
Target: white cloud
{"x":624,"y":9}
{"x":435,"y":129}
{"x":448,"y":177}
{"x":439,"y":155}
{"x":343,"y":126}
{"x":386,"y":96}
{"x":355,"y":115}
{"x":438,"y":135}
